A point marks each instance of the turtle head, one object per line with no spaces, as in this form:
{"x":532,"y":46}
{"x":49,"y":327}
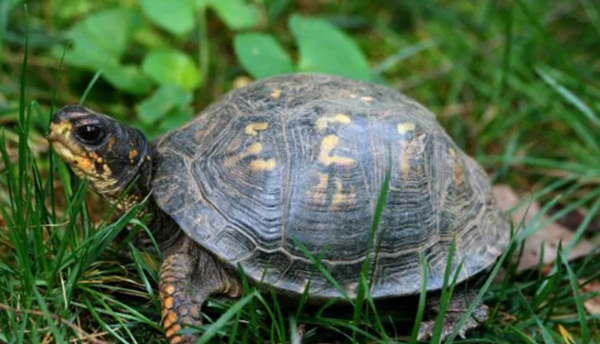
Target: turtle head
{"x":108,"y":153}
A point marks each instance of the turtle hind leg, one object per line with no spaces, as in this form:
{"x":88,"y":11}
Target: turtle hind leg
{"x":458,"y":305}
{"x":187,"y":278}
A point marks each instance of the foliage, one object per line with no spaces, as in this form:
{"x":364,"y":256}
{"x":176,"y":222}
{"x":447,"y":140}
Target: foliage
{"x":100,"y":45}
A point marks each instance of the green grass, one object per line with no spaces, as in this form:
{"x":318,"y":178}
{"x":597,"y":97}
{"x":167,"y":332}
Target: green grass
{"x":515,"y":83}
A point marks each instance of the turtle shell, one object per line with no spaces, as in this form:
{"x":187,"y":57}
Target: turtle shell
{"x":289,"y":170}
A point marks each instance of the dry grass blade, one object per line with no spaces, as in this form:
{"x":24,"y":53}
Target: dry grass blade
{"x":549,"y":237}
{"x":83,"y":335}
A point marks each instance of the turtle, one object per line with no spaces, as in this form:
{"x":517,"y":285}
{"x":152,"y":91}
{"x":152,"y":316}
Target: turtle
{"x":287,"y":173}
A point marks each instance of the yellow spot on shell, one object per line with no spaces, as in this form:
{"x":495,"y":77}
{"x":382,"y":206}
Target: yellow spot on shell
{"x":318,"y":193}
{"x":452,"y":152}
{"x":253,"y":149}
{"x":341,"y":198}
{"x":253,"y":128}
{"x":323,"y":178}
{"x":276,"y":93}
{"x":263,"y":165}
{"x":457,"y":170}
{"x":404,"y":128}
{"x":457,"y":174}
{"x":339,"y":118}
{"x":327,"y":145}
{"x":404,"y":163}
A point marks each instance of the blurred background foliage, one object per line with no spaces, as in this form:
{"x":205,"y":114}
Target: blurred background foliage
{"x":509,"y":79}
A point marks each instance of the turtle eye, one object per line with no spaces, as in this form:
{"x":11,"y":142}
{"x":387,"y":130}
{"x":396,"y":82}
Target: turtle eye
{"x":90,"y":134}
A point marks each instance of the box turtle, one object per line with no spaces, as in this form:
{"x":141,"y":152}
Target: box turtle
{"x":288,"y":169}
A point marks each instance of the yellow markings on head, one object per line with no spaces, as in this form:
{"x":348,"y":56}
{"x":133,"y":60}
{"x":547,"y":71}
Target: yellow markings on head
{"x":111,"y":142}
{"x":254,"y":128}
{"x":133,"y":153}
{"x":276,"y":93}
{"x":404,"y":128}
{"x":341,"y":198}
{"x":62,"y":128}
{"x":327,"y":145}
{"x":339,"y":118}
{"x":262,"y":165}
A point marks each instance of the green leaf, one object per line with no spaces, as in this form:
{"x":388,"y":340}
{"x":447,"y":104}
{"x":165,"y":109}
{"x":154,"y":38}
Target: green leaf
{"x":237,"y":14}
{"x":175,"y":118}
{"x":164,"y":100}
{"x":261,"y":55}
{"x":172,"y":67}
{"x":326,"y":49}
{"x":128,"y":79}
{"x":177,"y":17}
{"x":98,"y":39}
{"x":81,"y":58}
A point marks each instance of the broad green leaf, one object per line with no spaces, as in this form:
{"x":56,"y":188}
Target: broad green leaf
{"x":81,"y":58}
{"x":261,"y":55}
{"x":324,"y":48}
{"x":177,"y":17}
{"x":172,"y":67}
{"x":12,"y":3}
{"x":237,"y":14}
{"x":175,"y":118}
{"x":70,"y":9}
{"x":103,"y":36}
{"x":128,"y":78}
{"x":200,"y":4}
{"x":164,"y":100}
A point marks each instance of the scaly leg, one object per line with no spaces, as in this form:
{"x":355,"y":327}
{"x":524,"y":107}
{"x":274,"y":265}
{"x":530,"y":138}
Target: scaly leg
{"x":459,"y":303}
{"x":187,"y":278}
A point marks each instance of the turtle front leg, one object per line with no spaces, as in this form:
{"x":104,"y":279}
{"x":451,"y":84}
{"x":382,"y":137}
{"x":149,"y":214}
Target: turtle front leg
{"x":459,"y":303}
{"x":187,"y":278}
